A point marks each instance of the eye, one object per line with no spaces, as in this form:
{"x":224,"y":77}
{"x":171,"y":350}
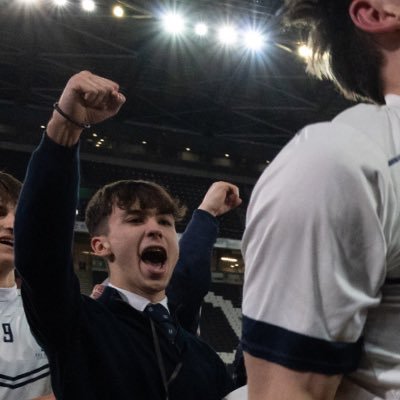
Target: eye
{"x":3,"y":211}
{"x":165,"y":222}
{"x":135,"y":220}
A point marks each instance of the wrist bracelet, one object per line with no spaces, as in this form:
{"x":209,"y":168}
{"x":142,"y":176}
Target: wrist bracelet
{"x":68,"y":118}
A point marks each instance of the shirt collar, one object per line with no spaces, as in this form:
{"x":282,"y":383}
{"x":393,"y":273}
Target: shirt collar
{"x":8,"y":294}
{"x":136,"y":301}
{"x":392,"y":99}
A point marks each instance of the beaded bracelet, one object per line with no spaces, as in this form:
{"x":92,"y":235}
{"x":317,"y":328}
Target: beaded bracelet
{"x":68,"y":118}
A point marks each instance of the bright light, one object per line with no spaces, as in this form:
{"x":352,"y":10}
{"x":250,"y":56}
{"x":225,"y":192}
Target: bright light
{"x":60,"y":3}
{"x":304,"y":51}
{"x":226,"y":155}
{"x":187,"y":148}
{"x":229,"y":259}
{"x":173,"y":23}
{"x":28,"y":1}
{"x":201,"y":29}
{"x":118,"y":11}
{"x":254,"y":40}
{"x":88,"y":5}
{"x":227,"y":35}
{"x":144,"y":142}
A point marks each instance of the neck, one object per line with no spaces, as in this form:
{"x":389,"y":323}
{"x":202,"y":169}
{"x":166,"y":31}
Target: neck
{"x":7,"y":279}
{"x":390,"y":74}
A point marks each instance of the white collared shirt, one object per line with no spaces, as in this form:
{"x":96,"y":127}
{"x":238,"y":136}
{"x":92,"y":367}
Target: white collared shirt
{"x":136,"y":301}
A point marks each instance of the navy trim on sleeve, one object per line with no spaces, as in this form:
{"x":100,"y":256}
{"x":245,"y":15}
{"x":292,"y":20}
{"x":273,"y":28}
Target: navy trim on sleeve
{"x":297,"y":351}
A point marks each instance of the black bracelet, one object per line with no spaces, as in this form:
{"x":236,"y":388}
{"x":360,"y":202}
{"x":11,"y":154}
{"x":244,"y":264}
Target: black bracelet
{"x":68,"y":118}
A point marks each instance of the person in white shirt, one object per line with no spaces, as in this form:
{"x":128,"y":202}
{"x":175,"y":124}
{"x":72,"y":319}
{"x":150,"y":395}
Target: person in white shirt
{"x":321,"y":303}
{"x":24,"y":368}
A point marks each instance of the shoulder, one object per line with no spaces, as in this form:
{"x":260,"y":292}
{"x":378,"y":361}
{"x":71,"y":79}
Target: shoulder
{"x":348,"y":142}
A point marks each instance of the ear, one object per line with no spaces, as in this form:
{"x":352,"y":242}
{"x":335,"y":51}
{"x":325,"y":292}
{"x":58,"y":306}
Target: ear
{"x":374,"y":17}
{"x":100,"y":245}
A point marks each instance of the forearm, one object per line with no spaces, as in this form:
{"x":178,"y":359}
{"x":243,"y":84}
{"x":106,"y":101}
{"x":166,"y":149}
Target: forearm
{"x":192,"y":276}
{"x":45,"y":215}
{"x":193,"y":269}
{"x":44,"y":225}
{"x":62,"y":131}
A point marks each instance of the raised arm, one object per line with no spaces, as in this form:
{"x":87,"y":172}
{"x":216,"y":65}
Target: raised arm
{"x":45,"y":214}
{"x":192,"y":276}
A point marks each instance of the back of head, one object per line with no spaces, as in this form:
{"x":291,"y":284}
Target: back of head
{"x":9,"y":189}
{"x":124,"y":194}
{"x":341,"y":52}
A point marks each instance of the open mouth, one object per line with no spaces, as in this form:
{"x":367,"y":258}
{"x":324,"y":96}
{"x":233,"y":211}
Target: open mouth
{"x":7,"y":242}
{"x":154,"y":255}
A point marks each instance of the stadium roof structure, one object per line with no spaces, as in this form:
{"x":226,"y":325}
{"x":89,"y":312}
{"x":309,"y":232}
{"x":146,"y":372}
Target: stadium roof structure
{"x":183,"y":92}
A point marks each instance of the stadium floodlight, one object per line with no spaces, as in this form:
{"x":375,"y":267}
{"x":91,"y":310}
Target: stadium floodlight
{"x":254,"y":40}
{"x":88,"y":5}
{"x":118,"y":11}
{"x":304,"y":51}
{"x":173,"y":23}
{"x":201,"y":29}
{"x":28,"y":1}
{"x":227,"y":35}
{"x":60,"y":3}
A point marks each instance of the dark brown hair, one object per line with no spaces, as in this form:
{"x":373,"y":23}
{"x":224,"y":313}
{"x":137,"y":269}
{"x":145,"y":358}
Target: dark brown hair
{"x":10,"y":188}
{"x":124,"y":194}
{"x":341,"y":52}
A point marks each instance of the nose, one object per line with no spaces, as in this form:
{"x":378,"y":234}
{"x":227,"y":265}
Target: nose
{"x":153,"y":228}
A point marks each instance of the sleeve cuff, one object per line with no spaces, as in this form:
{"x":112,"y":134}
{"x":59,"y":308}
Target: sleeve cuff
{"x":297,"y":351}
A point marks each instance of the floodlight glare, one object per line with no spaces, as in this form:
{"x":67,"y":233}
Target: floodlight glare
{"x":118,"y":11}
{"x":60,"y":3}
{"x":201,"y":29}
{"x":254,"y":40}
{"x":227,"y":35}
{"x":304,"y":51}
{"x":173,"y":23}
{"x":88,"y":5}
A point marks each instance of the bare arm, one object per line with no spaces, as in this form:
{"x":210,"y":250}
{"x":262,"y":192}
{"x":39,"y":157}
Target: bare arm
{"x":270,"y":381}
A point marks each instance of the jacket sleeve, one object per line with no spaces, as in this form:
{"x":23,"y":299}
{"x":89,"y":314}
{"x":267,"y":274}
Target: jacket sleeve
{"x":44,"y":226}
{"x":192,"y":276}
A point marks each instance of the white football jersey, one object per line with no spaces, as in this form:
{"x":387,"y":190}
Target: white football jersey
{"x":24,"y":368}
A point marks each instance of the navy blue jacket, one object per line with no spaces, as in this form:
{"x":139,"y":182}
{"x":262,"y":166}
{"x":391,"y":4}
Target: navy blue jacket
{"x":97,"y":349}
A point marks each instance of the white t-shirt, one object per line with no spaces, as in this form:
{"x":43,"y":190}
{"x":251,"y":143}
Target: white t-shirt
{"x":24,"y":369}
{"x":322,"y":253}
